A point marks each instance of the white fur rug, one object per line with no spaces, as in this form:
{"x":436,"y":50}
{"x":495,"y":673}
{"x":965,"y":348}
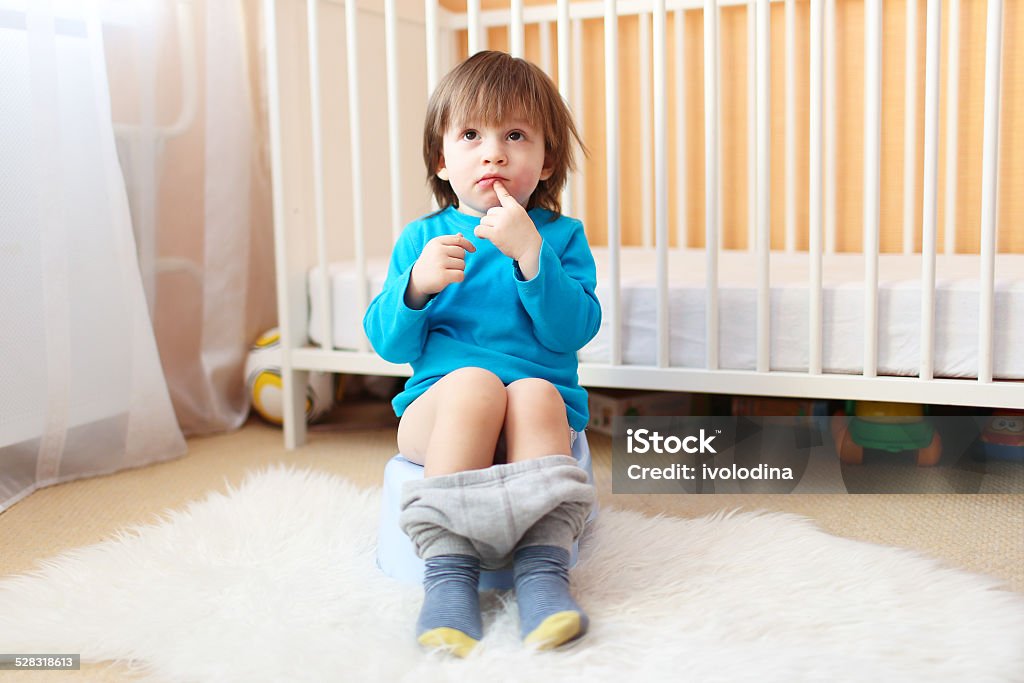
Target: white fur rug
{"x":275,"y":581}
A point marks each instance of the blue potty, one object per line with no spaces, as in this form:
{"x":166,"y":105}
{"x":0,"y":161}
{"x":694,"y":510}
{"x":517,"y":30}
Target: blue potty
{"x":395,"y":553}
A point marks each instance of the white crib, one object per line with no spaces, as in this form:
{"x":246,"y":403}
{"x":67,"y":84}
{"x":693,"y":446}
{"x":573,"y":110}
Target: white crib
{"x":695,"y":298}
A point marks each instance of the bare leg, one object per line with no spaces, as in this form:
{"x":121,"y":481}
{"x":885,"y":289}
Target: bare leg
{"x":536,"y":426}
{"x":455,"y":424}
{"x":535,"y":420}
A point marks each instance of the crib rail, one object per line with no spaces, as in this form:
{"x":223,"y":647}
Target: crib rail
{"x":301,"y":228}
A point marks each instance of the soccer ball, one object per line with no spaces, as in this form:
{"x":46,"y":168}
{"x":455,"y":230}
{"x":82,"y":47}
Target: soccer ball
{"x":265,"y":387}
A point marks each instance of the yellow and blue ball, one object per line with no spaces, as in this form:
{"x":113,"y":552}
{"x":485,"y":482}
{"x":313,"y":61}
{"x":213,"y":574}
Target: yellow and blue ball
{"x":266,"y":389}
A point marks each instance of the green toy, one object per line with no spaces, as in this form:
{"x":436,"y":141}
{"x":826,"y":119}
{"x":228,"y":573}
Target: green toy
{"x":885,"y":426}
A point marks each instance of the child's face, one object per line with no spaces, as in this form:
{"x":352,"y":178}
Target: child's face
{"x":475,"y":155}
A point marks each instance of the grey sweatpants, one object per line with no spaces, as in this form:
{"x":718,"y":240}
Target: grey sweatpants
{"x":489,"y":513}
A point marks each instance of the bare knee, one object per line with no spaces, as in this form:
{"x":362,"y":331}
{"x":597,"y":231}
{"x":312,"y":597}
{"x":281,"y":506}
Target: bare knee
{"x":473,"y":398}
{"x":535,"y":420}
{"x":531,"y":392}
{"x":475,"y":386}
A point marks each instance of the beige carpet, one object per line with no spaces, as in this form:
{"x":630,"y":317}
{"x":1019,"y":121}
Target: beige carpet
{"x":981,"y":533}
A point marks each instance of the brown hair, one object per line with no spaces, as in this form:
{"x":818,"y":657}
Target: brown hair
{"x":493,"y":87}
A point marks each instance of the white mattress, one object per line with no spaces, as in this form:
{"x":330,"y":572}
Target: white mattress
{"x":899,"y":311}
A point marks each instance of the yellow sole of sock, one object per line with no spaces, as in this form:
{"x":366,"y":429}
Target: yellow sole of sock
{"x":559,"y":628}
{"x":450,"y":639}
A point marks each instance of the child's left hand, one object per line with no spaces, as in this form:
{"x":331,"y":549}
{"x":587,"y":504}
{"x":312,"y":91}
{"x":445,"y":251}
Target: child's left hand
{"x":512,"y":231}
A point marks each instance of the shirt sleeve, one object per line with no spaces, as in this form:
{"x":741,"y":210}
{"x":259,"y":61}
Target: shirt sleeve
{"x":397,"y":332}
{"x":560,"y":299}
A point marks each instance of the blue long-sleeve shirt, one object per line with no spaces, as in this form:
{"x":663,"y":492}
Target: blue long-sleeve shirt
{"x":493,"y":319}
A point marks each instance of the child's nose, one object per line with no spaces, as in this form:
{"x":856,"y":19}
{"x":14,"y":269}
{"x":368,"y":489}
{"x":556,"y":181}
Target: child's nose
{"x":494,"y":153}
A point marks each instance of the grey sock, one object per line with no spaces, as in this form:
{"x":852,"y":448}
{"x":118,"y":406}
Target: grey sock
{"x":451,"y":596}
{"x":548,"y":615}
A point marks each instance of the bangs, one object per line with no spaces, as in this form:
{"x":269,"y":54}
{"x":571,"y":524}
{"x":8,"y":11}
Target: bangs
{"x":491,"y":99}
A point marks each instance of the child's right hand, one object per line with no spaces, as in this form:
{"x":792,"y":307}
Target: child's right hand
{"x":442,"y":262}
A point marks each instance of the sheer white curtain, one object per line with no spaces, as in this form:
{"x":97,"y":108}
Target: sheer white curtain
{"x":81,"y":387}
{"x":191,"y":139}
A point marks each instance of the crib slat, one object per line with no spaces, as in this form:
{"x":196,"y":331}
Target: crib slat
{"x":680,"y":60}
{"x":391,"y":56}
{"x":990,"y":185}
{"x":483,"y":39}
{"x":562,"y":30}
{"x":433,"y":54}
{"x":474,"y":27}
{"x":661,"y":182}
{"x":790,"y":161}
{"x":872,"y":165}
{"x":580,"y":196}
{"x":323,"y":282}
{"x":516,"y":30}
{"x":815,"y":227}
{"x":931,"y":178}
{"x":751,"y":125}
{"x":952,"y":125}
{"x":355,"y":147}
{"x":718,"y":107}
{"x":764,"y":179}
{"x":643,"y":24}
{"x":830,"y":126}
{"x":291,"y":299}
{"x":711,"y":135}
{"x":910,"y":129}
{"x":431,"y":27}
{"x":544,"y":28}
{"x":611,"y":77}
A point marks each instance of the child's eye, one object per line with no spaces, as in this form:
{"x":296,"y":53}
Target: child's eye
{"x":516,"y":135}
{"x":470,"y":135}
